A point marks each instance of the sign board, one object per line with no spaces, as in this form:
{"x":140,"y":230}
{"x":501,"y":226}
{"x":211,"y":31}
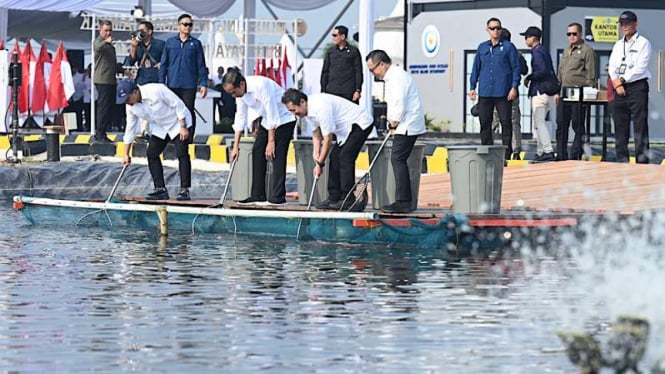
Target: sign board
{"x":601,"y":29}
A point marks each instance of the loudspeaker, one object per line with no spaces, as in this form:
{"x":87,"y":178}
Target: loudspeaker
{"x":75,"y":57}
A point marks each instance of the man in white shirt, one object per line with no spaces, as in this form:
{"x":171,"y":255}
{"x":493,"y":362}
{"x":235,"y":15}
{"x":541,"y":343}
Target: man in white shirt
{"x":170,"y":121}
{"x":261,"y":95}
{"x":76,"y":101}
{"x":333,"y":117}
{"x":406,"y":121}
{"x":629,"y":71}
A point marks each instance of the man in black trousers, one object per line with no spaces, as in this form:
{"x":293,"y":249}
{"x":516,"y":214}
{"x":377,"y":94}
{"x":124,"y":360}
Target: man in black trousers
{"x":629,"y":71}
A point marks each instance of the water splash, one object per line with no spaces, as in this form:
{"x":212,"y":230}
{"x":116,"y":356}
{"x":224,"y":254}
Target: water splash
{"x":612,"y":267}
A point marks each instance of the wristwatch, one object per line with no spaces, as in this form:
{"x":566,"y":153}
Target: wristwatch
{"x":321,"y":164}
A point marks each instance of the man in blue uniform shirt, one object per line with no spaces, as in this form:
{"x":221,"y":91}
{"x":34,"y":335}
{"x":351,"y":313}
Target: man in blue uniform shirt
{"x":496,"y":71}
{"x":183,"y":67}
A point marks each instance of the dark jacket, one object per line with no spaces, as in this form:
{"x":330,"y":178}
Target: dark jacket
{"x":147,"y":74}
{"x":541,"y":69}
{"x":342,"y":72}
{"x":183,"y":64}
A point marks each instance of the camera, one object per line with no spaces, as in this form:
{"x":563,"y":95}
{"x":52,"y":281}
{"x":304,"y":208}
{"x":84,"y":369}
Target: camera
{"x":138,"y":35}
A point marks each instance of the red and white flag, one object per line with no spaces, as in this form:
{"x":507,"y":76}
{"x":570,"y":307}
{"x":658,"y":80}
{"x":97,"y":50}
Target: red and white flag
{"x":257,"y":67}
{"x":271,"y":71}
{"x":287,"y":74}
{"x":278,"y":73}
{"x":28,"y":64}
{"x":40,"y":80}
{"x":61,"y":84}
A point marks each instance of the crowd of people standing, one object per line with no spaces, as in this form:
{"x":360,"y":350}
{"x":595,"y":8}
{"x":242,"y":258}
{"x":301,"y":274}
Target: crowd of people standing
{"x":495,"y":78}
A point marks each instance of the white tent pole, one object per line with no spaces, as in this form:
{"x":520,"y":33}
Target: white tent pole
{"x":366,"y":39}
{"x":92,"y":74}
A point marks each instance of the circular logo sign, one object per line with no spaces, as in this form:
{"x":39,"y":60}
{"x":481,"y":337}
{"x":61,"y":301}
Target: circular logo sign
{"x":431,"y":41}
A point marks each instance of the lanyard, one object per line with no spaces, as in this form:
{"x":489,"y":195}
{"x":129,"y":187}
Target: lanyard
{"x":632,"y":42}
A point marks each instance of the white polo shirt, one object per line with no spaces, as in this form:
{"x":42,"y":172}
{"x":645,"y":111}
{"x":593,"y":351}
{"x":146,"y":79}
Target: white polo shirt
{"x":336,"y":115}
{"x":161,"y":108}
{"x":262,"y":99}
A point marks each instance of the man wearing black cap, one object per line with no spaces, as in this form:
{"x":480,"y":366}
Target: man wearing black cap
{"x":496,"y":70}
{"x":170,"y":120}
{"x":541,"y":69}
{"x":629,"y":71}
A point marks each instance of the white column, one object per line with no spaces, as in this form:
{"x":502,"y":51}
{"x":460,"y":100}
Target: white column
{"x":366,"y":44}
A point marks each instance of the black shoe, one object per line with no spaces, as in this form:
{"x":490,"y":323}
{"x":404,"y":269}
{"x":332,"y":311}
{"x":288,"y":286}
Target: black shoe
{"x":325,"y":204}
{"x":398,"y":207}
{"x":516,"y":155}
{"x":159,"y":193}
{"x":103,"y":139}
{"x":337,"y":205}
{"x":352,"y":206}
{"x":545,"y":157}
{"x":277,"y":201}
{"x":183,"y":195}
{"x":251,"y":200}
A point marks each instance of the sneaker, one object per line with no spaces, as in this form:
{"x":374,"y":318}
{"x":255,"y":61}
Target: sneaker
{"x":398,"y":207}
{"x":325,"y":204}
{"x":545,"y":157}
{"x":277,"y":201}
{"x":159,"y":193}
{"x":252,"y":200}
{"x":183,"y":195}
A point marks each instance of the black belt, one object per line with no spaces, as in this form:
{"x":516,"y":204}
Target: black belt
{"x":627,"y":84}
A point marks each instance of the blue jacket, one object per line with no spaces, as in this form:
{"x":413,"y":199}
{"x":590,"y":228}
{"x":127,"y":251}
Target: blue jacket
{"x":154,"y":57}
{"x":183,"y":64}
{"x":495,"y":69}
{"x":541,"y":68}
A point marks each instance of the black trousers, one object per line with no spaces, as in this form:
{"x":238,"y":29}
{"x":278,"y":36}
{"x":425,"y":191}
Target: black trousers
{"x":283,"y":136}
{"x":402,"y":147}
{"x":634,"y":106}
{"x":342,"y":169}
{"x":188,"y":96}
{"x":567,"y":112}
{"x":486,"y":107}
{"x":156,"y":147}
{"x":105,"y":108}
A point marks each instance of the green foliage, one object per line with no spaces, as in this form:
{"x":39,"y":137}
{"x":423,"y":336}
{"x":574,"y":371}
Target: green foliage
{"x":431,"y":124}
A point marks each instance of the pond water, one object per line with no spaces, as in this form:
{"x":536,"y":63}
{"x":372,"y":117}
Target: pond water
{"x":94,"y":299}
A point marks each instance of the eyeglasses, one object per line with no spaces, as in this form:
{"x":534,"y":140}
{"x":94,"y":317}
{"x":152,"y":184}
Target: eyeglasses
{"x":571,"y":33}
{"x":494,"y":28}
{"x":187,"y":24}
{"x":335,"y":35}
{"x":371,"y":70}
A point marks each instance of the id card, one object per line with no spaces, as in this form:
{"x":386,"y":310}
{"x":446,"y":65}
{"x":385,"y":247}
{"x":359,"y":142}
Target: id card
{"x":622,"y":69}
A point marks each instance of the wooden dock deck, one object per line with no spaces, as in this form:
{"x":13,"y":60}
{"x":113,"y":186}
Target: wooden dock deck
{"x":599,"y":187}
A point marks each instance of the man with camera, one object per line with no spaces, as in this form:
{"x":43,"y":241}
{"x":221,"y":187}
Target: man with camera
{"x":145,"y":53}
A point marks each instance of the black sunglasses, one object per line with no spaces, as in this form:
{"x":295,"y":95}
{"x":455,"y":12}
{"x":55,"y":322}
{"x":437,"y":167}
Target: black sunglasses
{"x":571,"y":33}
{"x":335,"y":35}
{"x":187,"y":24}
{"x":495,"y":28}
